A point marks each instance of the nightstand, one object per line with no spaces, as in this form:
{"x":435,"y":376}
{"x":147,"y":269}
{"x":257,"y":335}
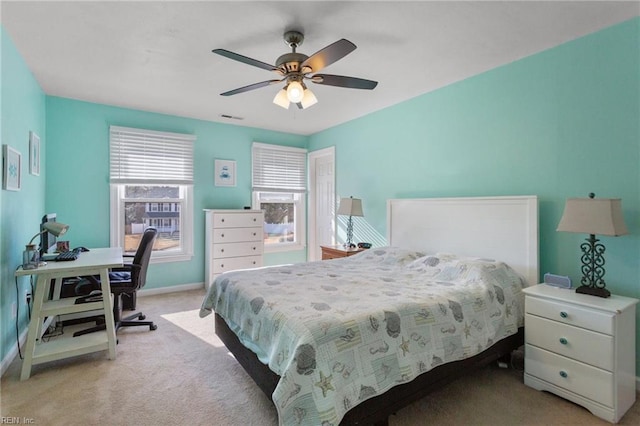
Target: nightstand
{"x":582,"y":348}
{"x":336,"y":252}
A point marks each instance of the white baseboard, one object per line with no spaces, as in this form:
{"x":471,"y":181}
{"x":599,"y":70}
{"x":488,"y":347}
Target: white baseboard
{"x":170,"y":289}
{"x":13,"y":352}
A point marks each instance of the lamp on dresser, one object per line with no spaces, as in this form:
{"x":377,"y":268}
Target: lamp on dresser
{"x":593,"y":216}
{"x":350,"y":207}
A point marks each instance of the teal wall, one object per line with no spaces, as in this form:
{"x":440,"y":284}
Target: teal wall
{"x":558,"y":124}
{"x":78,"y":138}
{"x":22,"y":109}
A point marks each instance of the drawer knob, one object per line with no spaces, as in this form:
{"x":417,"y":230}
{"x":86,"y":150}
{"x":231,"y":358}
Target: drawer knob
{"x":221,"y":235}
{"x":221,"y":250}
{"x":563,"y":374}
{"x":563,"y":314}
{"x":222,"y":220}
{"x":563,"y":341}
{"x":254,"y":262}
{"x":254,"y":219}
{"x":254,"y":248}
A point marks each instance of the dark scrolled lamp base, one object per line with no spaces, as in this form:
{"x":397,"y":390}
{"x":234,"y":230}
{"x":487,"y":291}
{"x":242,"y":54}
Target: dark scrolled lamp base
{"x":593,"y":291}
{"x":593,"y":269}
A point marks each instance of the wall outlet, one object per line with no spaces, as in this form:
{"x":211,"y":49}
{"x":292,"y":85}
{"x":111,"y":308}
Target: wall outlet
{"x":14,"y":309}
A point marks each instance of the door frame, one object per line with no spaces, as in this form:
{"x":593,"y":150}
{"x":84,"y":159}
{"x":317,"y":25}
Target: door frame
{"x":312,"y":246}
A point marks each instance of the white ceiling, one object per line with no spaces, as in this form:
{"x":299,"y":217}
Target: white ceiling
{"x":156,"y":55}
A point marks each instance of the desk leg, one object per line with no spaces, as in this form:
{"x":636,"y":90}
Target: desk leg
{"x":33,"y":335}
{"x":108,"y":312}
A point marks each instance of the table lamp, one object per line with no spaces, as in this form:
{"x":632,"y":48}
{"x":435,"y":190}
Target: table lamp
{"x":30,"y":256}
{"x":350,"y":207}
{"x":593,"y":216}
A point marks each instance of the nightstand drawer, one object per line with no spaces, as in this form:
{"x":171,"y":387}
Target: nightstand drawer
{"x":571,"y":314}
{"x":582,"y":379}
{"x":578,"y":343}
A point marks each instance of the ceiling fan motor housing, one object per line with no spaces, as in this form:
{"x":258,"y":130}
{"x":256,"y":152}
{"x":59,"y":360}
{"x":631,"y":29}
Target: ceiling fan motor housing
{"x":290,"y":62}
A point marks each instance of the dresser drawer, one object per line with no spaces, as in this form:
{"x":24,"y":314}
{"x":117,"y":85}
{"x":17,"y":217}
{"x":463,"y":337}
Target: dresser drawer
{"x":571,"y":314}
{"x":582,"y":379}
{"x":224,"y":265}
{"x":238,"y":220}
{"x":578,"y":343}
{"x":221,"y":251}
{"x":235,"y":235}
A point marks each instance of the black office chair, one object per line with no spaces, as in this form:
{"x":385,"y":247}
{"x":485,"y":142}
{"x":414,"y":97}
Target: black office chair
{"x":126,"y":280}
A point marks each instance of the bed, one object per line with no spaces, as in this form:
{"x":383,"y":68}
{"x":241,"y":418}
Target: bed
{"x":350,"y":341}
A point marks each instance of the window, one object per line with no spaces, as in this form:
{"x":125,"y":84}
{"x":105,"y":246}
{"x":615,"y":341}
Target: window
{"x":151,"y":175}
{"x":279,"y":186}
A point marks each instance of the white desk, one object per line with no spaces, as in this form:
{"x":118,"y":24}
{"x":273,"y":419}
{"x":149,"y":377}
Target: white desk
{"x":94,"y":262}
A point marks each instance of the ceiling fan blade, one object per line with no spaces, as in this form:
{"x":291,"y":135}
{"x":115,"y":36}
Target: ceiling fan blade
{"x":344,"y":81}
{"x":250,"y":87}
{"x":328,"y":55}
{"x":246,"y":60}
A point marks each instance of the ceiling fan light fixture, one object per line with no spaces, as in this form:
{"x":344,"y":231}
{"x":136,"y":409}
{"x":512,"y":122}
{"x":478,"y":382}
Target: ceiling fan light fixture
{"x":295,"y":92}
{"x":309,"y":99}
{"x":281,"y":99}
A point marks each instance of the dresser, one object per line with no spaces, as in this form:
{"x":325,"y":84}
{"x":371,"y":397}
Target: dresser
{"x":233,"y":240}
{"x":582,"y":348}
{"x":336,"y":252}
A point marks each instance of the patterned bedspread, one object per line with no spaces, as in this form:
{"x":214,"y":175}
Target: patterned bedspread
{"x":339,"y":332}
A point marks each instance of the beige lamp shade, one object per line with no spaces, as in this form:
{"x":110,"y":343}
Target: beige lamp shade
{"x":56,"y":228}
{"x":597,"y":216}
{"x":350,"y":207}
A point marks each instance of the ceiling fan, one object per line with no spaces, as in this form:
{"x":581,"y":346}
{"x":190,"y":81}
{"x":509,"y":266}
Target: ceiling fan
{"x":296,"y":67}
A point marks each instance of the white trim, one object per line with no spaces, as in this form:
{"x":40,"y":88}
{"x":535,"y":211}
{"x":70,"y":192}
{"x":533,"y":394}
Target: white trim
{"x":13,"y":352}
{"x":311,"y":198}
{"x":169,"y":289}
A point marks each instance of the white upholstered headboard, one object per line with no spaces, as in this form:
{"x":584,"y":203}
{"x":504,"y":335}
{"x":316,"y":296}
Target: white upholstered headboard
{"x":500,"y":228}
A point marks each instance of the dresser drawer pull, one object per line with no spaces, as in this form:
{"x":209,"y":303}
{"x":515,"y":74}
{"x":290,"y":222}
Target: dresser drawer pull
{"x":254,"y":262}
{"x":563,"y":341}
{"x":221,"y":250}
{"x":222,"y":265}
{"x":254,"y":248}
{"x":563,"y":374}
{"x":222,"y":220}
{"x":221,"y":235}
{"x":563,"y":314}
{"x":254,"y":219}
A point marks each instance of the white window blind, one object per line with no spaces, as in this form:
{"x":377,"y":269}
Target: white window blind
{"x":145,"y":157}
{"x":279,"y":168}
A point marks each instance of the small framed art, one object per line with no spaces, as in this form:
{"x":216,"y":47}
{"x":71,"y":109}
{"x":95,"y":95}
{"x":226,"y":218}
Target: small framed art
{"x":11,"y":161}
{"x":34,"y":154}
{"x":225,"y":171}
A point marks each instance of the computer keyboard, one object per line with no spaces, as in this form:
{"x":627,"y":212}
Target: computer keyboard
{"x":66,"y":256}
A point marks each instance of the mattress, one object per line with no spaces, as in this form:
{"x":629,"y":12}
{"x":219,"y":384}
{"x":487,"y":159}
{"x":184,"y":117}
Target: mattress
{"x":339,"y":332}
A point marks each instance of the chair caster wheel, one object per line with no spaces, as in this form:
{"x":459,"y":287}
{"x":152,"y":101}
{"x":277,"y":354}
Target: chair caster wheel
{"x":141,"y":317}
{"x":153,"y":327}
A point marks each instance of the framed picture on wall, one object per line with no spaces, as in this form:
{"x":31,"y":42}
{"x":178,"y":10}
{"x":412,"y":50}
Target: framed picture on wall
{"x":225,"y":173}
{"x":11,"y":168}
{"x":34,"y":154}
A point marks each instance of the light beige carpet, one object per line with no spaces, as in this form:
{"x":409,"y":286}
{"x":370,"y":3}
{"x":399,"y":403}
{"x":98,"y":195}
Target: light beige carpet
{"x":181,"y":374}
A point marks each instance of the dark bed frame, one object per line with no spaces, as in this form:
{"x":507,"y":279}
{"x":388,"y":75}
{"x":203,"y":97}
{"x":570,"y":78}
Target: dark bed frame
{"x":375,"y":411}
